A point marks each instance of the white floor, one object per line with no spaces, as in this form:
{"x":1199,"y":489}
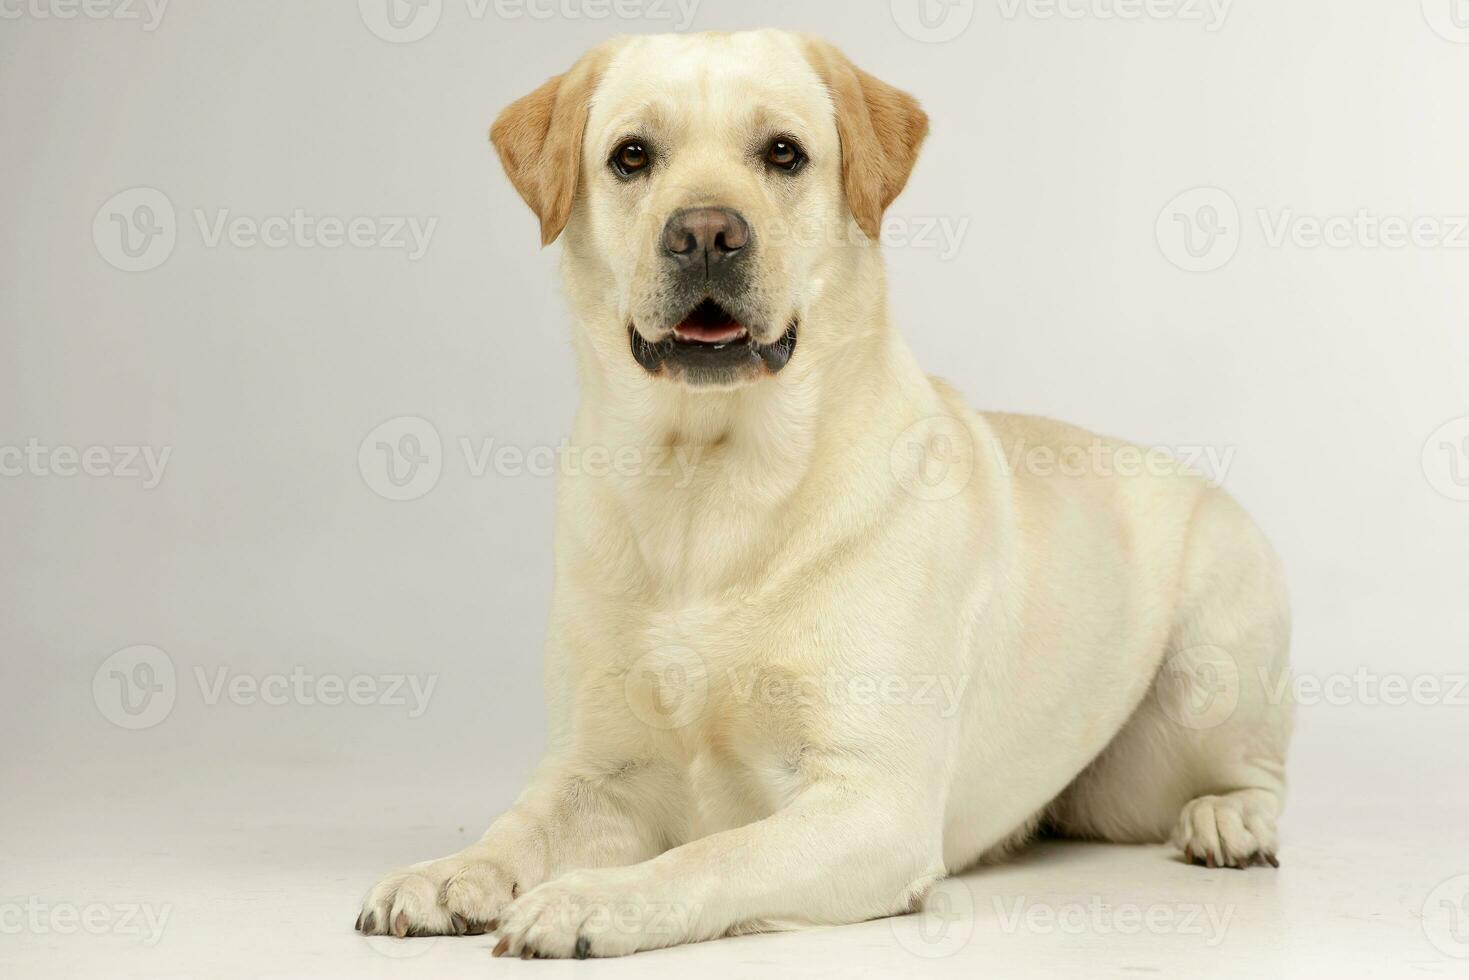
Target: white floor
{"x":153,"y":867}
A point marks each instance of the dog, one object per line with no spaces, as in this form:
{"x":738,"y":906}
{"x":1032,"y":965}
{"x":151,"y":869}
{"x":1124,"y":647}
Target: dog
{"x":872,"y":637}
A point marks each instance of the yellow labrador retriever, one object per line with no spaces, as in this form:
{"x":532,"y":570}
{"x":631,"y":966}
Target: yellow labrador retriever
{"x":873,"y":636}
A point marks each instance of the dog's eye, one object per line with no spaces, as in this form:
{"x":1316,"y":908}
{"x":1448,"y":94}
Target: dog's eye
{"x":630,"y":157}
{"x":784,"y":154}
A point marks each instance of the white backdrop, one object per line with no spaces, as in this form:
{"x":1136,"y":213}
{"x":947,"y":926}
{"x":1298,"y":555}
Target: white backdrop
{"x":239,"y":238}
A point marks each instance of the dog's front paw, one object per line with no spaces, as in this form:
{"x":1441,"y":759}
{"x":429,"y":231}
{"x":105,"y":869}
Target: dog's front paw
{"x":1226,"y":832}
{"x":592,"y":913}
{"x":453,"y":896}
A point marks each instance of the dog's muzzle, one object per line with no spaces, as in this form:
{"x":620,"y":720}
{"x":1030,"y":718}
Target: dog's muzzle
{"x":714,"y":340}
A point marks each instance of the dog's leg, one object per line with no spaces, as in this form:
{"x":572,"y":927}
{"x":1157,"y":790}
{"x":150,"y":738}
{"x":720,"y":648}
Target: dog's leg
{"x":1230,"y":830}
{"x":1201,"y":762}
{"x":835,"y":855}
{"x":573,"y":815}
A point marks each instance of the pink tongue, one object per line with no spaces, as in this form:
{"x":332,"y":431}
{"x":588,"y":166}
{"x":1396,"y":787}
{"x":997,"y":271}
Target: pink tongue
{"x":709,"y":335}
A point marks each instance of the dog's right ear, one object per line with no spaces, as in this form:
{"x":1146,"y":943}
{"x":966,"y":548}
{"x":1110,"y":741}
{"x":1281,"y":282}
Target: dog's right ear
{"x":539,"y":139}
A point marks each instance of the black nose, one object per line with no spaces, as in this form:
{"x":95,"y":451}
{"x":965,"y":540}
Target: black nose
{"x":705,"y":236}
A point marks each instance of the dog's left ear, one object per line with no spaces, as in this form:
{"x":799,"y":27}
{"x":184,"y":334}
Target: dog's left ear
{"x":539,"y":139}
{"x":881,"y":130}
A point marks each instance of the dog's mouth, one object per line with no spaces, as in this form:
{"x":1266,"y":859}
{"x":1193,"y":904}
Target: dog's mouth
{"x":711,"y":347}
{"x":710,"y":324}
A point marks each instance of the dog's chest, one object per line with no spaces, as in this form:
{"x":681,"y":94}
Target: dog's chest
{"x":737,"y":724}
{"x":713,"y":520}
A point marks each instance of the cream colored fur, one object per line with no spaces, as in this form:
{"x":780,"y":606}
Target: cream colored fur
{"x":719,"y":762}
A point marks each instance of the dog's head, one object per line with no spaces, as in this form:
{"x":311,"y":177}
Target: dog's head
{"x":708,"y":185}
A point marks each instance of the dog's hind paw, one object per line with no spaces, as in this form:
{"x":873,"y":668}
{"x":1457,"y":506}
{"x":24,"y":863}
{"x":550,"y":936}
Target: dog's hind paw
{"x":1228,"y":831}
